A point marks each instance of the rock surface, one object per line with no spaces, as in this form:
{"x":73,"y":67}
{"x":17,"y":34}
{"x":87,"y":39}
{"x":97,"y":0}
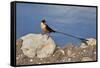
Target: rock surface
{"x":69,"y":53}
{"x":37,"y":45}
{"x":91,"y":43}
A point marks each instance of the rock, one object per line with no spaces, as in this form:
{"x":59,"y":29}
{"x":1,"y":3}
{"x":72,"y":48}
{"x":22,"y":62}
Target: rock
{"x":69,"y":52}
{"x":68,"y":46}
{"x":18,"y":46}
{"x":19,"y":42}
{"x":27,"y":51}
{"x":86,"y":52}
{"x":83,"y":45}
{"x":86,"y":59}
{"x":58,"y":54}
{"x":90,"y":42}
{"x":66,"y":59}
{"x":68,"y":49}
{"x":60,"y":50}
{"x":31,"y":60}
{"x":89,"y":49}
{"x":37,"y":45}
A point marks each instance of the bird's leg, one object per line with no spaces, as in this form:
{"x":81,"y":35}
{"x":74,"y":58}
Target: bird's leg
{"x":48,"y":36}
{"x":43,"y":33}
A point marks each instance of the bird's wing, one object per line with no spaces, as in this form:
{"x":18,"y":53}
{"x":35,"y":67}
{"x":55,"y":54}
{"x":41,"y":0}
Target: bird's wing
{"x":51,"y":30}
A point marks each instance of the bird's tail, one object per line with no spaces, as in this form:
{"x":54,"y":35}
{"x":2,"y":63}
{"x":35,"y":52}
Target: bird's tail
{"x":81,"y":39}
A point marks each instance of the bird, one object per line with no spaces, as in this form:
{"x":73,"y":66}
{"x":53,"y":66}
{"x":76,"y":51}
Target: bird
{"x":46,"y":29}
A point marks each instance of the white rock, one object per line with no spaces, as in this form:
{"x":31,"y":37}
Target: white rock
{"x":69,"y":52}
{"x":69,"y":59}
{"x":62,"y":51}
{"x":90,"y":42}
{"x":83,"y":45}
{"x":86,"y":59}
{"x":37,"y":45}
{"x":94,"y":52}
{"x":31,"y":60}
{"x":39,"y":63}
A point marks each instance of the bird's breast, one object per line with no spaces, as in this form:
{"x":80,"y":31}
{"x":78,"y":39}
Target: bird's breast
{"x":43,"y":27}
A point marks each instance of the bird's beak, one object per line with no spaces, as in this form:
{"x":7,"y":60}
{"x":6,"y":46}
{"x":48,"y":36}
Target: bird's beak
{"x":43,"y":18}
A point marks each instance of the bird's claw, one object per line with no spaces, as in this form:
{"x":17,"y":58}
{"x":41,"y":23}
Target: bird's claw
{"x":48,"y":37}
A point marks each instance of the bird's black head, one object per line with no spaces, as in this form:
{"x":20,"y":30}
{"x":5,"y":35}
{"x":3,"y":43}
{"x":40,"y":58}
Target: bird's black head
{"x":43,"y":21}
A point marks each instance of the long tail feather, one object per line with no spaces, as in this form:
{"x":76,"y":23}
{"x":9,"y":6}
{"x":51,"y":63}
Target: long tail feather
{"x":81,"y":39}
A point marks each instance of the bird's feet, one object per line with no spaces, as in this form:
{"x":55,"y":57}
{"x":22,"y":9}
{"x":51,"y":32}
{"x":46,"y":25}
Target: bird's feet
{"x":48,"y":37}
{"x":43,"y":33}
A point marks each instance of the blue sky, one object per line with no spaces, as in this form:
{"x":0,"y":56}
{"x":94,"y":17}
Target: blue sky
{"x":74,"y":20}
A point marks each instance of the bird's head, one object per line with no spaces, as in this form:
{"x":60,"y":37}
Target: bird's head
{"x":43,"y":21}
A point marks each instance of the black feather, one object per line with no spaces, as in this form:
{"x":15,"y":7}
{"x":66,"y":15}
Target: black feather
{"x":43,"y":21}
{"x":49,"y":29}
{"x":81,"y":39}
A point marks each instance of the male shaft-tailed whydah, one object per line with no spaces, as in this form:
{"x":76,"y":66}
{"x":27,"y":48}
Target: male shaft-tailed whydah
{"x":46,"y":29}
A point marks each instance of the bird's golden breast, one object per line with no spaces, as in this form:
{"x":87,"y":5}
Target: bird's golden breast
{"x":43,"y":27}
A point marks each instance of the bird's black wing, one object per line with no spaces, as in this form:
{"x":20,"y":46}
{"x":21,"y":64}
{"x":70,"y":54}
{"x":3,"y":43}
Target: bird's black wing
{"x":48,"y":28}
